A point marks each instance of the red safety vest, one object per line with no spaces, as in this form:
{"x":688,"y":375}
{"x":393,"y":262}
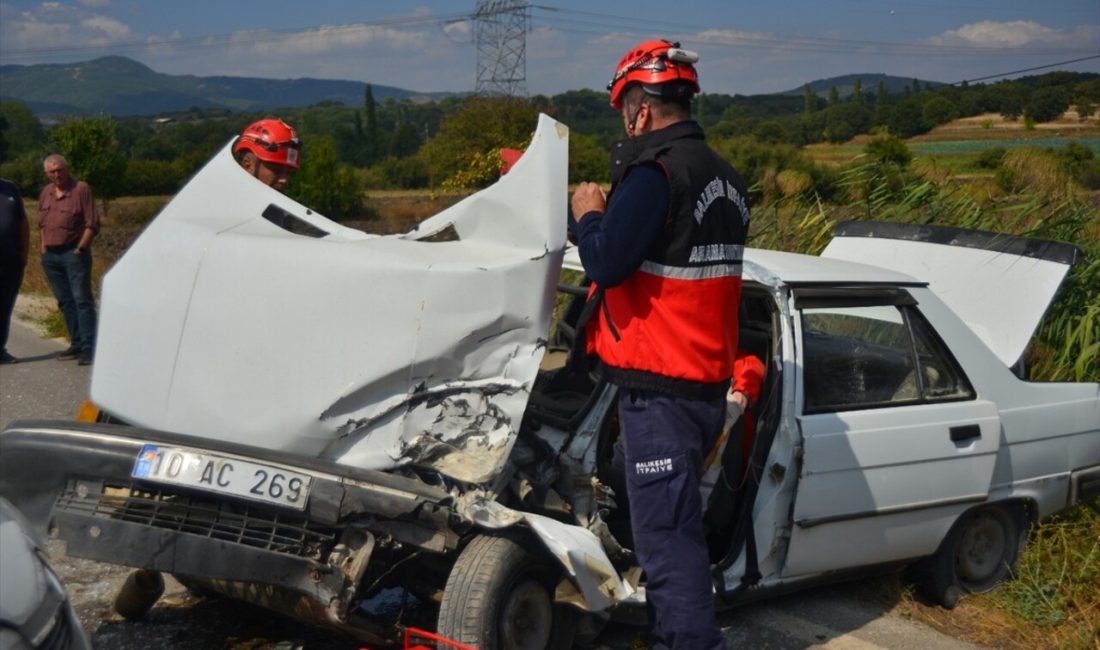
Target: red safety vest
{"x":672,"y":325}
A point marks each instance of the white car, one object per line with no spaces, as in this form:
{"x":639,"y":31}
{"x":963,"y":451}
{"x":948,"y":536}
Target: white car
{"x":35,"y":610}
{"x":328,"y":422}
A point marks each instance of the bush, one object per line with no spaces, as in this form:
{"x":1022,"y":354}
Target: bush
{"x":754,"y":159}
{"x":588,"y":161}
{"x":26,"y":172}
{"x":326,"y":186}
{"x":1035,"y":170}
{"x":152,"y":177}
{"x":888,"y":149}
{"x":398,"y":173}
{"x":990,"y":158}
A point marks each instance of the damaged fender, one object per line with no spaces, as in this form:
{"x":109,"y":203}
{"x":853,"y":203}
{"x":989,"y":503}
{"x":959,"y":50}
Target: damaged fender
{"x":595,"y":584}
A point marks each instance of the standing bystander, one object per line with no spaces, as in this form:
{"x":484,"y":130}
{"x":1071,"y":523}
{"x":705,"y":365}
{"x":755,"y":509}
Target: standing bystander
{"x":664,"y":251}
{"x":68,"y":223}
{"x":14,"y":246}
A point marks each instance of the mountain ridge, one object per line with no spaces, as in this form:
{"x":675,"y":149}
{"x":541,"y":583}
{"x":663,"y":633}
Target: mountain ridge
{"x":121,"y":86}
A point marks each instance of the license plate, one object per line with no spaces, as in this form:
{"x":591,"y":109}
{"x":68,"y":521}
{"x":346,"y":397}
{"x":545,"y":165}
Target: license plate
{"x":210,"y":473}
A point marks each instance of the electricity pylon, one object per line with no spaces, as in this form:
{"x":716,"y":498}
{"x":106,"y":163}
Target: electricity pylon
{"x":501,"y":37}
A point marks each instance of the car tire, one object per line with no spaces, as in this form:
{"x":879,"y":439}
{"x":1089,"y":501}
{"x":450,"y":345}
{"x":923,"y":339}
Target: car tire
{"x":139,"y":593}
{"x":499,"y":595}
{"x":980,"y":551}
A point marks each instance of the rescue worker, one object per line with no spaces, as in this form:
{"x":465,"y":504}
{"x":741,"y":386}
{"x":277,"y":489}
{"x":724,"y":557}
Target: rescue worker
{"x":269,"y":150}
{"x":663,"y":251}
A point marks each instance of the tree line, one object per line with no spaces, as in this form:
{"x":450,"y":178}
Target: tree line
{"x":454,"y":143}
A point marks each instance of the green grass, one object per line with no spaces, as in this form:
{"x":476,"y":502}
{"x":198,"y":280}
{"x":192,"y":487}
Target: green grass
{"x":55,"y":325}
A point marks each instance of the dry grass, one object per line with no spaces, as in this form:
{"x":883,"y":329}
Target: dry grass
{"x":1054,"y":602}
{"x":995,"y":126}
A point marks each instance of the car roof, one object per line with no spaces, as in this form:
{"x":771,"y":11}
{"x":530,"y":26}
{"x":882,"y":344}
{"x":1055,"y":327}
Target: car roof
{"x":777,"y":267}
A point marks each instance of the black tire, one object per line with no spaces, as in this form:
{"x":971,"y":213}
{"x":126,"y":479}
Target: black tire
{"x":980,"y":551}
{"x":500,"y":596}
{"x":138,"y":594}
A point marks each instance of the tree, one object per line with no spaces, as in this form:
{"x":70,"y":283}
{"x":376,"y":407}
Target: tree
{"x":939,"y":110}
{"x":905,"y":118}
{"x":1012,"y":98}
{"x":1084,"y":107}
{"x":473,"y":135}
{"x":834,"y":96}
{"x":91,"y":148}
{"x":24,"y":132}
{"x":701,"y":109}
{"x":809,"y":100}
{"x":857,"y":92}
{"x":326,"y":186}
{"x":1047,"y":104}
{"x":845,"y":121}
{"x":770,"y":131}
{"x":375,"y":143}
{"x":406,"y":139}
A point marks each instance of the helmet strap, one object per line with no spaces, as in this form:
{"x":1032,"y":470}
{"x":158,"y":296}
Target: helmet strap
{"x":255,"y":164}
{"x":634,"y":119}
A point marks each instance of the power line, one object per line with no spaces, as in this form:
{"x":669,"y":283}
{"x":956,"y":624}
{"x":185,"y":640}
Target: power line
{"x":1040,"y":67}
{"x":588,"y":22}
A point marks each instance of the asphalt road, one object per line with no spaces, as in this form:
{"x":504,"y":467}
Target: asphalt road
{"x":852,"y":616}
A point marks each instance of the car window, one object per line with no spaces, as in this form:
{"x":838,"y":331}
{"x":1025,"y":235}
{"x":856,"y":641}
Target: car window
{"x":874,"y":356}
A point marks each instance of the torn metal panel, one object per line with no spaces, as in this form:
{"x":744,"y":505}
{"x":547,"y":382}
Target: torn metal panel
{"x":596,"y":585}
{"x":370,"y":351}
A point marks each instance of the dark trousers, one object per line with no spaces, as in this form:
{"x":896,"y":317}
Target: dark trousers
{"x":665,"y":440}
{"x":70,"y":278}
{"x":11,"y":276}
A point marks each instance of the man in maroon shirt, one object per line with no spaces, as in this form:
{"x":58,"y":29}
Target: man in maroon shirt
{"x":68,"y":222}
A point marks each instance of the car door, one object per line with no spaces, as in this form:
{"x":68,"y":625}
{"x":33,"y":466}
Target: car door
{"x":895,"y":441}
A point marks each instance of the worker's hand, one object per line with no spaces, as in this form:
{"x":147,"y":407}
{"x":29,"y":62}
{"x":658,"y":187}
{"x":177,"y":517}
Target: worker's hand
{"x":740,"y":398}
{"x":586,"y":198}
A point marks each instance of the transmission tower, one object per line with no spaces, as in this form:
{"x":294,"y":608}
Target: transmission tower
{"x":501,"y":37}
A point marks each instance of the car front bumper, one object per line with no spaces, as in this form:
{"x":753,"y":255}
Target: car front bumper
{"x":74,"y":479}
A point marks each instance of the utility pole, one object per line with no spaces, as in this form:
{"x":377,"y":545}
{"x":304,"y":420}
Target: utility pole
{"x":501,"y":37}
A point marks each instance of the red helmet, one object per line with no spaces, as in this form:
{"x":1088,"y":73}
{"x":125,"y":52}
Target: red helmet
{"x":271,"y":140}
{"x":660,"y":66}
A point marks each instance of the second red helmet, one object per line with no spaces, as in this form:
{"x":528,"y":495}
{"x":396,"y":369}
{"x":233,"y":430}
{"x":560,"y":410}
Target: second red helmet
{"x":661,"y":66}
{"x":271,"y":140}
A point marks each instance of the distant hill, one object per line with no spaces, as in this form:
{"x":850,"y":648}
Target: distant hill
{"x":120,"y":86}
{"x":845,"y":84}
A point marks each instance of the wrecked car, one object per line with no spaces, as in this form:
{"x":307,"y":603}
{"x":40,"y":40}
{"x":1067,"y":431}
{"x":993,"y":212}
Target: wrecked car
{"x":35,"y":610}
{"x":361,"y":430}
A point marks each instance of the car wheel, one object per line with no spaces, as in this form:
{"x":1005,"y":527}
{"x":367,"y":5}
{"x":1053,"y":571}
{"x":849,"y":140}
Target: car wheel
{"x":139,"y":593}
{"x":979,"y":552}
{"x":501,"y":596}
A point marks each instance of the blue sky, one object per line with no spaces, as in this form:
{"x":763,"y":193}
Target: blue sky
{"x":745,"y":47}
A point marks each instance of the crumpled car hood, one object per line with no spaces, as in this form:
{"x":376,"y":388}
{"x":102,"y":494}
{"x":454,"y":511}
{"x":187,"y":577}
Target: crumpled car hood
{"x":372,"y":351}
